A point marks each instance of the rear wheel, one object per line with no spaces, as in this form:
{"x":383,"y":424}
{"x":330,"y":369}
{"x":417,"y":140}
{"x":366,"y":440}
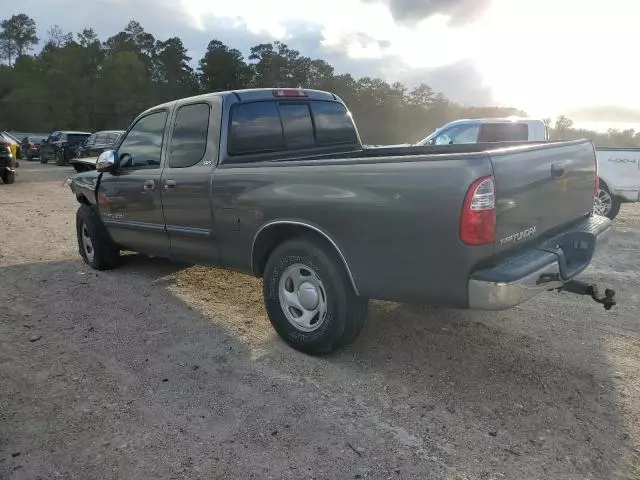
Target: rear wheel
{"x":309,"y":297}
{"x":8,"y":177}
{"x":605,"y":203}
{"x":94,"y":242}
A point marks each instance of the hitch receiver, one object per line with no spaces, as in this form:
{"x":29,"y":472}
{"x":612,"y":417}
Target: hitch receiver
{"x":582,"y":288}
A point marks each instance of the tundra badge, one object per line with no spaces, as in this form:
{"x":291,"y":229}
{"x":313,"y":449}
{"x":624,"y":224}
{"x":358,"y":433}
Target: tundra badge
{"x":516,"y":237}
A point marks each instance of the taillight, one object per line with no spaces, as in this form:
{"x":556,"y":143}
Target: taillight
{"x":478,"y":220}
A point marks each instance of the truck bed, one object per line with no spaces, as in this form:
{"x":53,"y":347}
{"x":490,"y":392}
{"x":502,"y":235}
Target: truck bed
{"x":395,"y":213}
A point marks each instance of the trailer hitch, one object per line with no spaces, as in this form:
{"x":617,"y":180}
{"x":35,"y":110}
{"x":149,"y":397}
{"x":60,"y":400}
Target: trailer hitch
{"x":583,"y":288}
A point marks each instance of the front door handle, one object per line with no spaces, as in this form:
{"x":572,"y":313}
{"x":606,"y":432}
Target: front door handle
{"x":169,"y":184}
{"x":149,"y":184}
{"x":557,"y":170}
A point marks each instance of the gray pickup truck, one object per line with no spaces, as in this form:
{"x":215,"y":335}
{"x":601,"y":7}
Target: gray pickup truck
{"x":276,"y":183}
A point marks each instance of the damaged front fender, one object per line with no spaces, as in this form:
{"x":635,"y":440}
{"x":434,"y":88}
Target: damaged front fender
{"x":84,"y":186}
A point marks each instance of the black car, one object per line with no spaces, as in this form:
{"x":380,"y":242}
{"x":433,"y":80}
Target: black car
{"x":97,"y":143}
{"x":31,"y":146}
{"x":60,"y":146}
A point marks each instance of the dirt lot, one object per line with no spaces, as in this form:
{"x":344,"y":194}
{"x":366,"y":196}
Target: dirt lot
{"x":163,"y":371}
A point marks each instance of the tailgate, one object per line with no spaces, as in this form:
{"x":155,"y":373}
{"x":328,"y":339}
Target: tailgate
{"x":540,"y":188}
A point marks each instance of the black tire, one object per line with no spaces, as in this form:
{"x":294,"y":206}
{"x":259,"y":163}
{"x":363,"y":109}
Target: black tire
{"x":614,"y":210}
{"x":8,"y":177}
{"x":345,"y":312}
{"x":106,"y":254}
{"x":43,"y":159}
{"x":60,"y":160}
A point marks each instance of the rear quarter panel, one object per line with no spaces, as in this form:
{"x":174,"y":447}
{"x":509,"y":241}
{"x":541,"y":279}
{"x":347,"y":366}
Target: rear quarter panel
{"x":619,"y":168}
{"x":396,"y":221}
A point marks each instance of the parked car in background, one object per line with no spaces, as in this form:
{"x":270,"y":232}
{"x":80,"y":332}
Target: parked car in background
{"x":87,"y":152}
{"x":480,"y":130}
{"x":618,"y":168}
{"x":60,"y":146}
{"x":31,"y":146}
{"x":276,"y":183}
{"x":619,"y":171}
{"x":13,"y":142}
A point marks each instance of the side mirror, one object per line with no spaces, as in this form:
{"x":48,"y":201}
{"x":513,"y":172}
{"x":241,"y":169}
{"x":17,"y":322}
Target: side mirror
{"x":106,"y":161}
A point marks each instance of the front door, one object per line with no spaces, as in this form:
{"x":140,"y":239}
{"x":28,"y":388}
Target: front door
{"x":47,"y":148}
{"x":186,"y":182}
{"x":130,"y":199}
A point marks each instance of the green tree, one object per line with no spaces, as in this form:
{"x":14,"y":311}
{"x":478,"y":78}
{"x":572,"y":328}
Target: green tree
{"x":122,"y":89}
{"x":563,"y":124}
{"x":421,"y":96}
{"x":223,"y":68}
{"x":58,"y":38}
{"x":17,"y":37}
{"x":174,"y":75}
{"x":276,"y":65}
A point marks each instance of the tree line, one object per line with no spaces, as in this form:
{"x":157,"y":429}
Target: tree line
{"x":79,"y":82}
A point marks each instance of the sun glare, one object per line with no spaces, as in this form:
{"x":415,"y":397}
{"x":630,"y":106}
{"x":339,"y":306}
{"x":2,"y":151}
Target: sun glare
{"x":549,"y":56}
{"x":544,"y":57}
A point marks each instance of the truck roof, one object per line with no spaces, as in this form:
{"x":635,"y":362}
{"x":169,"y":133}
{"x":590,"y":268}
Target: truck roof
{"x":254,"y":94}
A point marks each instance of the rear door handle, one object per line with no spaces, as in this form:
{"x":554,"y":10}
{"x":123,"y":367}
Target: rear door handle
{"x":557,"y":170}
{"x":149,"y":184}
{"x":169,"y":184}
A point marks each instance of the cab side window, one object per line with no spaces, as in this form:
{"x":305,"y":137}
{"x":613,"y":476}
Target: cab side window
{"x":142,"y":147}
{"x":190,"y":133}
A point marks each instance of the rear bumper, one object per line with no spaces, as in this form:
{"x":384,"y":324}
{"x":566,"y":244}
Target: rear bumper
{"x":546,"y":266}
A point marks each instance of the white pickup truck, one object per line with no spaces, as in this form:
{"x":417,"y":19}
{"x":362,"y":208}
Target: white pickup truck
{"x":618,"y":168}
{"x":481,"y":130}
{"x":619,"y":174}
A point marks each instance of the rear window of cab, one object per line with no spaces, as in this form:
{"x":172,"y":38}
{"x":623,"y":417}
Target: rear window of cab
{"x":271,"y":126}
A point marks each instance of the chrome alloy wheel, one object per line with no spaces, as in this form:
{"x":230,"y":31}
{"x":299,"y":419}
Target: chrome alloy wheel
{"x":602,"y":203}
{"x":303,"y":298}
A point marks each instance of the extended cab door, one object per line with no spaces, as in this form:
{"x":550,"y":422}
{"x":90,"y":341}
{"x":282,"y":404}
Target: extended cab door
{"x":186,"y":180}
{"x":47,"y":148}
{"x":130,"y":198}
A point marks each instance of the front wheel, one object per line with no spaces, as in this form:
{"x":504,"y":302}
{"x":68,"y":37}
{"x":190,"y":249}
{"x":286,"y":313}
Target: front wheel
{"x":94,"y":242}
{"x":605,"y":203}
{"x":309,"y":297}
{"x":60,"y":160}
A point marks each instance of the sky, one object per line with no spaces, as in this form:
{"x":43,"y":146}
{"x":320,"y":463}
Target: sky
{"x":546,"y":57}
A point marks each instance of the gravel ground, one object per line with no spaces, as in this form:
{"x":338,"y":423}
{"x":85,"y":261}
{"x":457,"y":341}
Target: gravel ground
{"x":161,"y":371}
